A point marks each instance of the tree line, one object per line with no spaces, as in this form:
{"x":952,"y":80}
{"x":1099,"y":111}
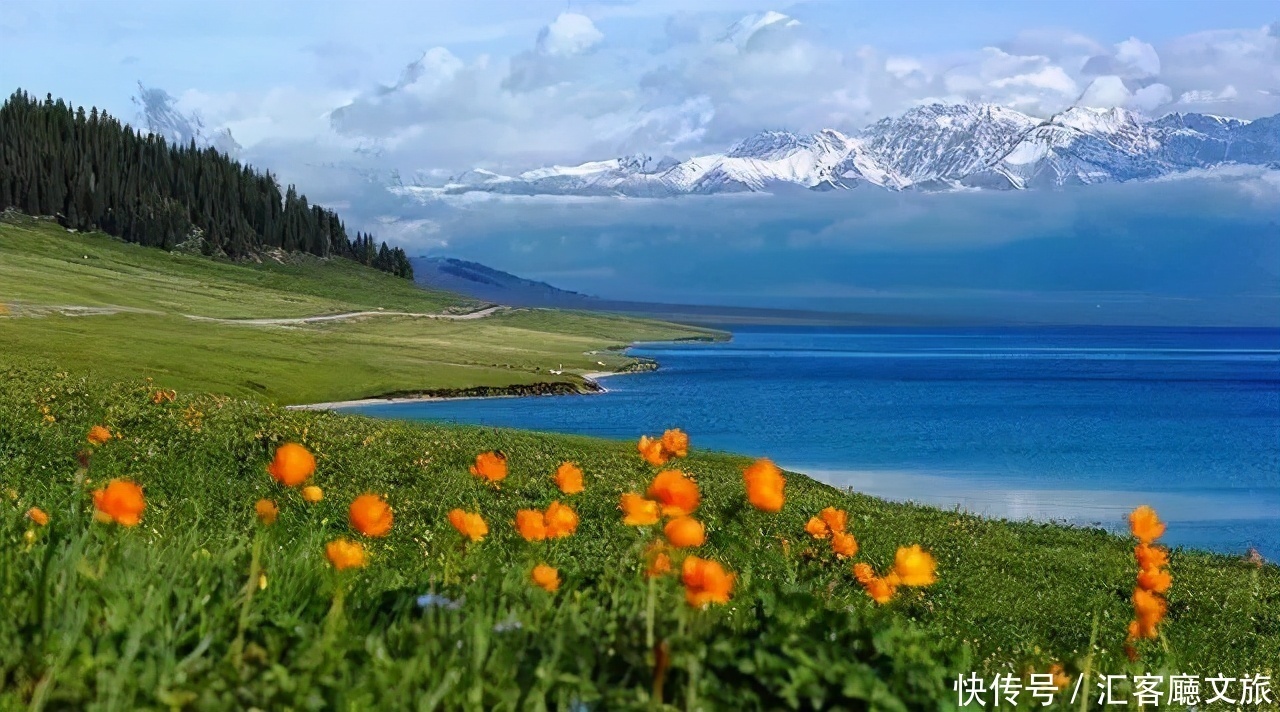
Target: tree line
{"x":94,"y":172}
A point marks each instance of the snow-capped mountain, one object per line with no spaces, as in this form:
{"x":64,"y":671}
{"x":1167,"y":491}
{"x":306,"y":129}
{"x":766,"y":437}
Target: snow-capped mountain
{"x":158,"y":112}
{"x":934,"y":147}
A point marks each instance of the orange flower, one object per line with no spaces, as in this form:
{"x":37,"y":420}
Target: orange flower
{"x":546,"y":578}
{"x":817,"y":528}
{"x":370,"y":515}
{"x":638,"y":511}
{"x":1145,"y":525}
{"x":1060,"y":677}
{"x":569,"y":478}
{"x":881,"y":590}
{"x":345,"y":554}
{"x":38,"y":516}
{"x":651,"y":451}
{"x":863,"y":572}
{"x":658,"y":562}
{"x":678,"y":495}
{"x":1149,"y":610}
{"x":1150,"y":557}
{"x":684,"y":532}
{"x":163,"y":397}
{"x":705,"y":582}
{"x":561,"y":520}
{"x":531,"y":524}
{"x":844,"y":545}
{"x":472,"y":526}
{"x":312,"y":494}
{"x":1155,"y":580}
{"x":99,"y":435}
{"x":292,"y":465}
{"x":764,"y":486}
{"x":267,"y":511}
{"x":915,"y":566}
{"x":835,"y":519}
{"x":121,"y":501}
{"x":675,"y":443}
{"x":490,"y":466}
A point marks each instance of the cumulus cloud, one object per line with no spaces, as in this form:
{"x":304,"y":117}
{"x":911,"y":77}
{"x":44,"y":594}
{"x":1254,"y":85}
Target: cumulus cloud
{"x":580,"y":88}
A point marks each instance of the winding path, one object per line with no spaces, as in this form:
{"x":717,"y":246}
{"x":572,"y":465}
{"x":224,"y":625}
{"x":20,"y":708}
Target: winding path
{"x":478,"y":314}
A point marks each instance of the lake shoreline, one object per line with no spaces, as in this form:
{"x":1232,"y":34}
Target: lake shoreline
{"x":590,"y":386}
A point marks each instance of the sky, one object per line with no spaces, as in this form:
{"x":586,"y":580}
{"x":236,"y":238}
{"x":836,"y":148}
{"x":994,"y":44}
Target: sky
{"x":324,"y":92}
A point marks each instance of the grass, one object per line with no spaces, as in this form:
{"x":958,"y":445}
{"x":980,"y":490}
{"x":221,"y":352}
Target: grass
{"x":101,"y":617}
{"x":43,"y":265}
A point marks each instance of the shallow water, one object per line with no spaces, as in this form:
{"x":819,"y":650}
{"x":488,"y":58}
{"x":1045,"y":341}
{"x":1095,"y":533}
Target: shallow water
{"x":1069,"y":424}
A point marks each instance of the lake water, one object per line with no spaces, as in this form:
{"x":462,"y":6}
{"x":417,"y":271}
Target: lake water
{"x":1072,"y":424}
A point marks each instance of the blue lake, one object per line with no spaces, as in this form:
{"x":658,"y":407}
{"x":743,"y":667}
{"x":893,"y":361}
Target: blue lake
{"x":1070,"y":424}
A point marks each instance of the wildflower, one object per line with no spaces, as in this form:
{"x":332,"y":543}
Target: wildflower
{"x":817,"y":528}
{"x":675,"y":443}
{"x":470,"y":525}
{"x":1155,"y":580}
{"x":843,"y":544}
{"x":370,"y":515}
{"x":98,"y":435}
{"x":684,"y":532}
{"x":267,"y":511}
{"x":163,"y":397}
{"x":38,"y":516}
{"x":292,"y":465}
{"x":546,"y":578}
{"x":658,"y":562}
{"x":1149,"y":610}
{"x":29,"y":536}
{"x":312,"y":494}
{"x":1150,"y":557}
{"x":651,"y":451}
{"x":881,"y":590}
{"x":705,"y":582}
{"x":863,"y":572}
{"x":1060,"y":677}
{"x":569,"y":478}
{"x":915,"y":566}
{"x":1145,"y":525}
{"x":764,"y":486}
{"x":490,"y":466}
{"x":345,"y":554}
{"x":121,"y":501}
{"x":561,"y":520}
{"x":531,"y":524}
{"x":835,"y":519}
{"x":638,"y":511}
{"x":678,"y":495}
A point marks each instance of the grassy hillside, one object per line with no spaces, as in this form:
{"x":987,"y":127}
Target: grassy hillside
{"x":141,"y":326}
{"x":105,"y":617}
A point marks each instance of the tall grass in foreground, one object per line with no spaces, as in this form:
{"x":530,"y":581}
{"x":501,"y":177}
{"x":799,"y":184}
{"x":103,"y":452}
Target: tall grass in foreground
{"x":204,"y":604}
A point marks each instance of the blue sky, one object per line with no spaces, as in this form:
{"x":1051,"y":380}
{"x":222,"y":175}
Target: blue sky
{"x":323,"y":92}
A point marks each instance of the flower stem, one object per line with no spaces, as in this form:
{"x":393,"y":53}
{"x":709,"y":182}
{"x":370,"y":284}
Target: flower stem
{"x":255,"y":558}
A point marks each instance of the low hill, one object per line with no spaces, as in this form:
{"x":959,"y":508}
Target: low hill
{"x":299,"y":331}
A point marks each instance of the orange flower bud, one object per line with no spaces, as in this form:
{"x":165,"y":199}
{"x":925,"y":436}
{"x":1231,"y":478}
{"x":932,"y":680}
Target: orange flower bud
{"x":705,"y":582}
{"x":121,"y":501}
{"x":472,"y":526}
{"x":677,"y":494}
{"x":267,"y":511}
{"x":98,"y":435}
{"x":765,"y":485}
{"x":312,"y":494}
{"x":38,"y":516}
{"x":843,"y":544}
{"x":345,"y":554}
{"x":685,"y":532}
{"x":370,"y":515}
{"x":915,"y":566}
{"x":561,"y":520}
{"x":835,"y":519}
{"x":817,"y":528}
{"x":292,"y":465}
{"x":1145,"y":525}
{"x":569,"y":478}
{"x":531,"y":524}
{"x":651,"y":451}
{"x":638,"y":511}
{"x":546,"y":578}
{"x":675,"y":443}
{"x":490,"y":466}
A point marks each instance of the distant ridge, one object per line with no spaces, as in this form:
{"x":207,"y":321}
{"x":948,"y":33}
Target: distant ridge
{"x":485,"y":283}
{"x":928,"y":148}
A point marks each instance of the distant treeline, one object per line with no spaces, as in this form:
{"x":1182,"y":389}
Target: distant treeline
{"x":93,"y":172}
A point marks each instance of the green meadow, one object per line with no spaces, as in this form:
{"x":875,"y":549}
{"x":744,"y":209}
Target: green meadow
{"x":142,"y":326}
{"x":170,"y":614}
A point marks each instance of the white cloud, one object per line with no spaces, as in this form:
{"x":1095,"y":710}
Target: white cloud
{"x":569,"y":34}
{"x":1106,"y":92}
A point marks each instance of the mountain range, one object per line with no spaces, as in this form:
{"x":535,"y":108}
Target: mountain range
{"x":932,"y":147}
